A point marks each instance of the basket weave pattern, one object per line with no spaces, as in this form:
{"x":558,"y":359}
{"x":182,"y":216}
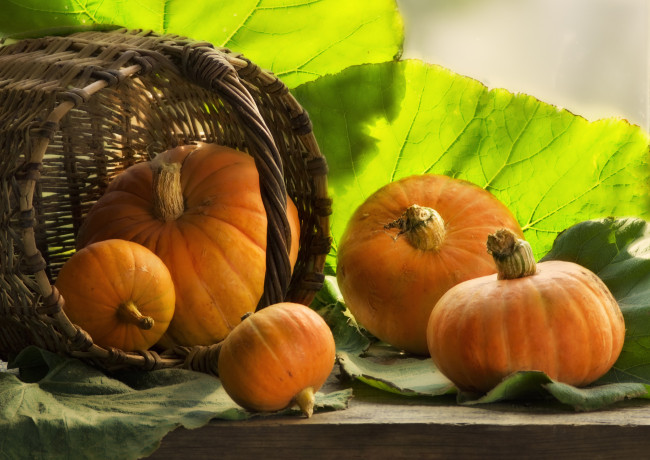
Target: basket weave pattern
{"x":77,"y":110}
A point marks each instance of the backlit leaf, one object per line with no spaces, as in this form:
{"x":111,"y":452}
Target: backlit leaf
{"x":553,"y":169}
{"x":298,"y":40}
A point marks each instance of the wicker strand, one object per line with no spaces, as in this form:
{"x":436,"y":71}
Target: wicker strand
{"x":152,"y":360}
{"x":200,"y":358}
{"x":269,"y":163}
{"x":77,"y":110}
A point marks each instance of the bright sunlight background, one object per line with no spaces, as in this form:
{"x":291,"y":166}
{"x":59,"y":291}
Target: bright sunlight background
{"x":591,"y":57}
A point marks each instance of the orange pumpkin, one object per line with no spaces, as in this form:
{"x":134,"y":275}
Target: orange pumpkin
{"x":407,"y":244}
{"x":277,"y":356}
{"x":200,"y":210}
{"x":294,"y":226}
{"x":557,"y":317}
{"x":119,"y":292}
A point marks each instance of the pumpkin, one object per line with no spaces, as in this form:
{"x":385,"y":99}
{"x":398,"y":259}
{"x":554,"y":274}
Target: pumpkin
{"x":199,"y":208}
{"x":280,"y":355}
{"x":294,"y":226}
{"x":556,"y":317}
{"x":119,"y":292}
{"x":407,"y":244}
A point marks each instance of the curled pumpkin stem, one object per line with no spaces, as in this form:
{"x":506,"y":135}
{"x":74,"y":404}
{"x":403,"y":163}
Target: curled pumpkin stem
{"x":423,"y":227}
{"x":513,"y":256}
{"x":246,"y":315}
{"x":306,"y":400}
{"x":168,"y":201}
{"x":129,"y":313}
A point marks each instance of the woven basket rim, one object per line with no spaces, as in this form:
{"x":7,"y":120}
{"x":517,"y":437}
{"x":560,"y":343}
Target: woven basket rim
{"x":171,"y":53}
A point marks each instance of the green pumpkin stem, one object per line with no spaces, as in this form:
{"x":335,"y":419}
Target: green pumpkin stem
{"x":306,"y":400}
{"x":423,"y":227}
{"x":129,"y":313}
{"x":168,"y":202}
{"x":513,"y":256}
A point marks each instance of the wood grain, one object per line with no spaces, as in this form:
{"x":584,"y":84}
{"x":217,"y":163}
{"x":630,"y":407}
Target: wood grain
{"x":379,"y":425}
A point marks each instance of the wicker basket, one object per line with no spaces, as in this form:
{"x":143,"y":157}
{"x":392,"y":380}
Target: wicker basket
{"x":77,"y":110}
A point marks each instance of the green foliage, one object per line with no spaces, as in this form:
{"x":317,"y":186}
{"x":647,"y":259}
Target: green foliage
{"x":377,"y":123}
{"x":61,"y":408}
{"x":298,"y":40}
{"x":395,"y":372}
{"x":376,"y":119}
{"x":350,"y":337}
{"x":532,"y":384}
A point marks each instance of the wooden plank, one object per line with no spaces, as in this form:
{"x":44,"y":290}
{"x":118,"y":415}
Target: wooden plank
{"x":380,"y":425}
{"x":406,"y":441}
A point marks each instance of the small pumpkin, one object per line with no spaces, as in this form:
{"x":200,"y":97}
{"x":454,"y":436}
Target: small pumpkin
{"x":199,"y":208}
{"x":119,"y":292}
{"x":556,"y":316}
{"x":280,"y":355}
{"x":410,"y":242}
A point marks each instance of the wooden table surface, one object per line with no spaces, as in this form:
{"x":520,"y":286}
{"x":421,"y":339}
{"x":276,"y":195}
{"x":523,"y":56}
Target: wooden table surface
{"x":379,"y":425}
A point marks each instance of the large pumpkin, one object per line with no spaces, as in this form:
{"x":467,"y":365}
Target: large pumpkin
{"x":199,"y":208}
{"x":277,"y":356}
{"x":557,"y":317}
{"x":119,"y":292}
{"x":410,"y":242}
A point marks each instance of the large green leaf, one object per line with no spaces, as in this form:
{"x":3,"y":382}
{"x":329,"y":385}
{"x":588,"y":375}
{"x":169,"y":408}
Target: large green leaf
{"x":395,"y":372}
{"x":61,"y":408}
{"x":299,"y":39}
{"x":537,"y":385}
{"x":378,"y":123}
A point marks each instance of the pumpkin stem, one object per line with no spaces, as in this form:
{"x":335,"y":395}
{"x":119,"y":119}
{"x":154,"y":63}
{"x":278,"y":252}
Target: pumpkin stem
{"x":129,"y":313}
{"x":246,"y":315}
{"x":305,"y":400}
{"x":512,"y":256}
{"x":168,"y":203}
{"x":423,"y":227}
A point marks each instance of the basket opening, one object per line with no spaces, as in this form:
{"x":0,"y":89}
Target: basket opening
{"x":114,"y":129}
